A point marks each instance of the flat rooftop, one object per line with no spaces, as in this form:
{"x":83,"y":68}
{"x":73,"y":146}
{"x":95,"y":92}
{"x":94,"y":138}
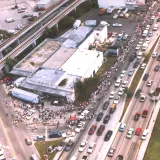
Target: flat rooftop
{"x":80,"y":62}
{"x":76,"y":36}
{"x":46,"y":77}
{"x":38,"y":56}
{"x":59,"y":58}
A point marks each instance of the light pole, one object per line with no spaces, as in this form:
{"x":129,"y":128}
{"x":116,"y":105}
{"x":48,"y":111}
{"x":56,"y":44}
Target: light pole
{"x":16,"y":4}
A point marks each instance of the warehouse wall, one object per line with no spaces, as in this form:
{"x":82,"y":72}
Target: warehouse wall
{"x":108,"y":3}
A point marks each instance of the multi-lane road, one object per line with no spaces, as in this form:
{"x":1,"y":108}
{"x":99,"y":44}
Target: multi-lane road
{"x":129,"y":147}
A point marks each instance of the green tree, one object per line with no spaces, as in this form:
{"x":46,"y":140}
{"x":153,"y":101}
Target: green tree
{"x":50,"y":32}
{"x":10,"y":63}
{"x":66,"y":22}
{"x":128,"y":92}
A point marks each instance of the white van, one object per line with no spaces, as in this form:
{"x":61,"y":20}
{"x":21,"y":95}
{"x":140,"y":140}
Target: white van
{"x":145,"y":33}
{"x":139,"y":55}
{"x":144,"y":46}
{"x":8,"y":20}
{"x":155,"y":27}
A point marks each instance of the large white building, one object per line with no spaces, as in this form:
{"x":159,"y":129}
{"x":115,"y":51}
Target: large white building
{"x":66,"y":59}
{"x":119,"y":3}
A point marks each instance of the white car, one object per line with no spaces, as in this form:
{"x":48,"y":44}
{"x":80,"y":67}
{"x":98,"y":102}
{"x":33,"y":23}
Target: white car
{"x":153,"y":17}
{"x":80,"y":126}
{"x":29,"y":115}
{"x":130,"y":133}
{"x":82,"y":146}
{"x":112,"y":94}
{"x":121,"y":91}
{"x":114,"y":34}
{"x":154,"y":55}
{"x":115,"y":16}
{"x":122,"y":127}
{"x":124,"y":84}
{"x":143,"y":66}
{"x":118,"y":83}
{"x":91,"y":147}
{"x":149,"y":83}
{"x":116,"y":99}
{"x":147,"y":27}
{"x":117,"y":25}
{"x":122,"y":73}
{"x":138,"y":47}
{"x":142,"y":98}
{"x":148,"y":40}
{"x":144,"y":135}
{"x":68,"y":134}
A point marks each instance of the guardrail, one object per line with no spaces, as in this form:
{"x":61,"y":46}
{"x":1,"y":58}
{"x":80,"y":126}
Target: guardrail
{"x":38,"y":33}
{"x":30,"y":26}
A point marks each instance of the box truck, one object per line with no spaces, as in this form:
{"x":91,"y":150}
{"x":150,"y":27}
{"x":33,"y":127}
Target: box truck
{"x":25,"y":95}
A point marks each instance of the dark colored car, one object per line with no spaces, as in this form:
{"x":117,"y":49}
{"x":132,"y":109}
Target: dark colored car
{"x":92,"y":129}
{"x":136,"y":116}
{"x":136,"y":64}
{"x":68,"y":146}
{"x":134,"y":55}
{"x":138,"y":92}
{"x":158,"y":58}
{"x":144,"y":113}
{"x":131,"y":59}
{"x":145,"y":77}
{"x":156,"y":68}
{"x":108,"y":135}
{"x":99,"y":117}
{"x":106,"y":118}
{"x":105,"y":105}
{"x":100,"y":130}
{"x":158,"y":20}
{"x":151,"y":22}
{"x":119,"y":157}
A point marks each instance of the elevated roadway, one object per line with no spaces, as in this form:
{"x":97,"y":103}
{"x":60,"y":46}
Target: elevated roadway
{"x":27,"y":42}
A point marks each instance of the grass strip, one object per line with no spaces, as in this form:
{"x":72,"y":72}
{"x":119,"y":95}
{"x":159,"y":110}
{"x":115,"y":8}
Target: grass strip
{"x":43,"y":146}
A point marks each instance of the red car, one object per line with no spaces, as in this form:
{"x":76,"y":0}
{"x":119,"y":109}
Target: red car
{"x":92,"y":129}
{"x":145,"y":112}
{"x":156,"y":14}
{"x":138,"y":131}
{"x":136,"y":116}
{"x":109,"y":34}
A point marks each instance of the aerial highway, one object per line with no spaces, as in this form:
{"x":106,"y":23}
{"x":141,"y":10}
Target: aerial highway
{"x":40,"y":31}
{"x":129,"y":147}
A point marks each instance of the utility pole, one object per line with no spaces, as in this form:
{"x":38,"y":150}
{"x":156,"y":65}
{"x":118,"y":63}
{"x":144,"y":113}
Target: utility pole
{"x":16,"y":4}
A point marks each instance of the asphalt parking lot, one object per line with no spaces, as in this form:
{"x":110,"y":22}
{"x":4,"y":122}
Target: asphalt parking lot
{"x":127,"y":26}
{"x":6,"y":11}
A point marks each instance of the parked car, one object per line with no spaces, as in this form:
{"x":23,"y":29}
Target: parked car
{"x":138,"y":92}
{"x":144,"y":113}
{"x":39,"y":138}
{"x":122,"y":127}
{"x":112,"y":94}
{"x":99,"y":117}
{"x":111,"y":152}
{"x":106,"y":118}
{"x":156,"y":68}
{"x":116,"y":99}
{"x":154,"y":55}
{"x":68,"y":134}
{"x":108,"y":135}
{"x":138,"y":131}
{"x":92,"y":129}
{"x":142,"y":98}
{"x":130,"y":133}
{"x":82,"y":146}
{"x":119,"y":157}
{"x":145,"y":77}
{"x":80,"y":126}
{"x":68,"y":146}
{"x":91,"y":147}
{"x":117,"y":25}
{"x":136,"y":116}
{"x":131,"y":71}
{"x":100,"y":130}
{"x":144,"y":135}
{"x":149,"y":83}
{"x":121,"y":91}
{"x":105,"y":105}
{"x":28,"y":141}
{"x":83,"y":158}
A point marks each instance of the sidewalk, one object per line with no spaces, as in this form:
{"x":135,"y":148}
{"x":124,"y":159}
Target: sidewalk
{"x":152,"y":122}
